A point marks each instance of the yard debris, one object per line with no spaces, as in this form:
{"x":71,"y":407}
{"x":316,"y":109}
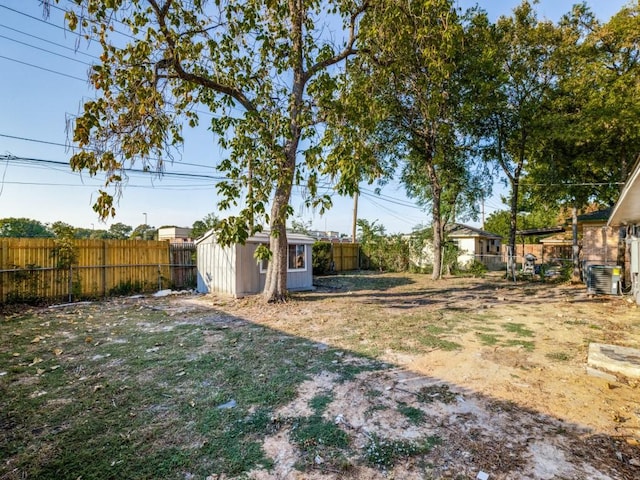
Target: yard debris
{"x":230,"y":404}
{"x":162,"y":293}
{"x":482,"y":476}
{"x":73,"y":304}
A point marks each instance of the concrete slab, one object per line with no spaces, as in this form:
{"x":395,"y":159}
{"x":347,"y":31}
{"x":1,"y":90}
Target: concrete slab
{"x":614,"y":358}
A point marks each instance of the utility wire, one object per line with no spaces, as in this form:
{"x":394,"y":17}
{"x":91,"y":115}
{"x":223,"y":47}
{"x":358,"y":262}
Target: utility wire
{"x":92,"y":149}
{"x":42,"y":39}
{"x":43,"y":68}
{"x":45,"y":50}
{"x":38,"y":161}
{"x":33,"y":17}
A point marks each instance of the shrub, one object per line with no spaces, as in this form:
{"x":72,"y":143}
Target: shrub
{"x":321,"y":259}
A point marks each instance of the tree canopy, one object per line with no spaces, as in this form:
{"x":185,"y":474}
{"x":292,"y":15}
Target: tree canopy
{"x":264,"y":69}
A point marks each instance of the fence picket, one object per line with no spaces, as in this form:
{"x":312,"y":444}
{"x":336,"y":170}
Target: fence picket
{"x":30,"y":269}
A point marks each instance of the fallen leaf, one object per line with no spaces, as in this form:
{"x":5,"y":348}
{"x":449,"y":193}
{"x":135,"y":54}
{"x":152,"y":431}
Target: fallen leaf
{"x":37,"y":339}
{"x":57,"y":351}
{"x":15,"y":354}
{"x":97,"y":387}
{"x":35,"y":361}
{"x":40,"y":371}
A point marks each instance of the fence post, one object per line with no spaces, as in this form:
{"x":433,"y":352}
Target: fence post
{"x":70,"y":283}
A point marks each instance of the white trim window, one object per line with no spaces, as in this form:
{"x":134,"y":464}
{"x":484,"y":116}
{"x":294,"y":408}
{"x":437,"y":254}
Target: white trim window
{"x":296,"y":259}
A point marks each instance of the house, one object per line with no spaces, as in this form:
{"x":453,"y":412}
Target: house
{"x":472,"y":243}
{"x":625,"y":216}
{"x":600,"y":241}
{"x":175,"y":234}
{"x":475,"y":244}
{"x":233,"y":270}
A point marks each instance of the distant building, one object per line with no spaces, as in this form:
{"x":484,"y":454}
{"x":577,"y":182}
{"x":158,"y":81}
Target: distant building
{"x":175,"y":234}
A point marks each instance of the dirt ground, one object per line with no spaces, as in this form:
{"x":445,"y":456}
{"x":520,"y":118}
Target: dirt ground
{"x":510,"y":407}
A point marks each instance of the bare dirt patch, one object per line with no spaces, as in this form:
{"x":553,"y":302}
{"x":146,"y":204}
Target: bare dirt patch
{"x":369,"y":377}
{"x":515,"y":355}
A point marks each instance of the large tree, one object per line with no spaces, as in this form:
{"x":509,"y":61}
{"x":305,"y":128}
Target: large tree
{"x":511,"y":101}
{"x":417,"y":66}
{"x":592,"y":121}
{"x":23,"y":228}
{"x":261,"y":66}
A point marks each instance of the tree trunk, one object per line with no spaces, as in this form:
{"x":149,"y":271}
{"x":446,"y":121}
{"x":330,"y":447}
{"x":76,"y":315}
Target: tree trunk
{"x":513,"y":225}
{"x":436,"y":213}
{"x":275,"y":287}
{"x":575,"y":248}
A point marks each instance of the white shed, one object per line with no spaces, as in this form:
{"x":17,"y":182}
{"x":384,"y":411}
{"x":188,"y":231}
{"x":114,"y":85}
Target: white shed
{"x":234,"y":270}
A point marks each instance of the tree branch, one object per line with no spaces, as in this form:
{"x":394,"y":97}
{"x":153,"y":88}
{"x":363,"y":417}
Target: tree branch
{"x":181,"y":73}
{"x":348,"y":49}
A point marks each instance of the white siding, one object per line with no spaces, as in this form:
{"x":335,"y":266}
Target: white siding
{"x":216,"y":268}
{"x":235,"y":271}
{"x":467,"y":250}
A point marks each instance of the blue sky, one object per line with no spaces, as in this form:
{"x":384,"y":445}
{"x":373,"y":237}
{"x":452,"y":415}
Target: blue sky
{"x":43,"y":82}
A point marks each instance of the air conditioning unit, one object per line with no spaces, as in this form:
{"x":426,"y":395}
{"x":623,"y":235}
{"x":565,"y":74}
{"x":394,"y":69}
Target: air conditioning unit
{"x":603,"y":279}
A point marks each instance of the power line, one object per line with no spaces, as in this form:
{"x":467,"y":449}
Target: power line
{"x":43,"y":68}
{"x":42,"y":39}
{"x":58,"y":26}
{"x":45,"y":50}
{"x":127,"y":170}
{"x":26,"y":139}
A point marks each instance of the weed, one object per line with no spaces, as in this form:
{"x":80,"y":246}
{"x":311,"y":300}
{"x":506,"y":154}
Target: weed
{"x":528,"y":346}
{"x":488,"y":338}
{"x":519,"y":329}
{"x":321,"y":442}
{"x":384,"y":453}
{"x":432,"y":341}
{"x":319,"y":403}
{"x":560,"y":356}
{"x":414,"y":415}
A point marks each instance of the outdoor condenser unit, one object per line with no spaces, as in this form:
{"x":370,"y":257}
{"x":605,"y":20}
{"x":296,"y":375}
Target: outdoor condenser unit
{"x":603,"y":279}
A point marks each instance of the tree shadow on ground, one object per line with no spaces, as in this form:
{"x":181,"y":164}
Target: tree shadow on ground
{"x":156,"y":388}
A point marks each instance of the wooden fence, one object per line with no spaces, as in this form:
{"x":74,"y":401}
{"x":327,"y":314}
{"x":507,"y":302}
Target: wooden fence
{"x":345,"y":256}
{"x":38,"y":269}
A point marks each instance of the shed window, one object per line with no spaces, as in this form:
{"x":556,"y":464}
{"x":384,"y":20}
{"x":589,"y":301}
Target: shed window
{"x":296,"y":259}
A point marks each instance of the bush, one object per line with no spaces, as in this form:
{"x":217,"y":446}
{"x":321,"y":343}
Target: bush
{"x":321,"y":258}
{"x":477,"y":269}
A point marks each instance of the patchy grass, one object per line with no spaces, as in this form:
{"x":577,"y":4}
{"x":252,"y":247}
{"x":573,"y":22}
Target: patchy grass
{"x":488,"y":339}
{"x":384,"y":453}
{"x":137,"y":392}
{"x":413,"y":414}
{"x":518,"y":329}
{"x":558,"y":356}
{"x":528,"y":346}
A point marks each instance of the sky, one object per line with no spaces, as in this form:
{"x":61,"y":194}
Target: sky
{"x":43,"y":84}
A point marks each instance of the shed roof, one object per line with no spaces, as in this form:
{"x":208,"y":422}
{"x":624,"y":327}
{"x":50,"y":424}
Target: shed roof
{"x":263,"y":237}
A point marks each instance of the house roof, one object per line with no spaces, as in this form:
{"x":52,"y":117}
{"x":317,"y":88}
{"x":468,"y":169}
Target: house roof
{"x":263,"y":237}
{"x":460,"y":230}
{"x":599,"y":216}
{"x":627,"y":208}
{"x":540,"y":231}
